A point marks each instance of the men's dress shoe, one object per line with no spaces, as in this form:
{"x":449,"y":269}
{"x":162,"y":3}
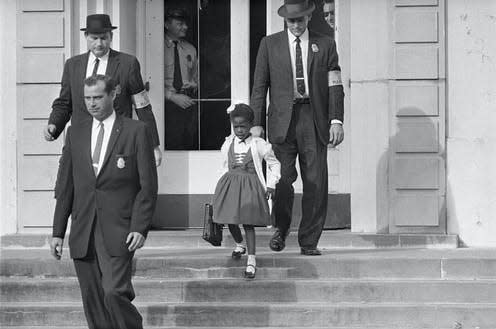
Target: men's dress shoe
{"x":278,"y":240}
{"x":311,"y":252}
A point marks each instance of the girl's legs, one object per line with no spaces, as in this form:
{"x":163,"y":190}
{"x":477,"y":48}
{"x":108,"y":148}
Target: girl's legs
{"x":250,"y":238}
{"x":236,"y":233}
{"x":240,"y":248}
{"x":250,"y":243}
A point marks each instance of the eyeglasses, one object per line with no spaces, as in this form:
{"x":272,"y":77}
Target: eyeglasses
{"x":327,"y":13}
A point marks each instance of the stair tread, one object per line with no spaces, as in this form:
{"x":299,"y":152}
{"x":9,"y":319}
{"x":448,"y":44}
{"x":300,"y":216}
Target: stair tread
{"x":317,"y":281}
{"x":222,"y":253}
{"x":59,"y":304}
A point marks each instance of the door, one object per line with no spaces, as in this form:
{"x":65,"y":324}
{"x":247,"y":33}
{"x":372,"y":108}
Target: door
{"x":219,"y":32}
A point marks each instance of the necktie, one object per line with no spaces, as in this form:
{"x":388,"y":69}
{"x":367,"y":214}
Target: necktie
{"x":300,"y":79}
{"x":98,"y":149}
{"x":178,"y":80}
{"x":95,"y":68}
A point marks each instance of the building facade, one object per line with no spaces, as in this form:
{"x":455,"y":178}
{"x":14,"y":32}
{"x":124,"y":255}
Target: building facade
{"x":419,"y":77}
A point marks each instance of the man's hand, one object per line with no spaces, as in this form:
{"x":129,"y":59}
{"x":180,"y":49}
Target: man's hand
{"x":270,"y":193}
{"x":182,"y":101}
{"x":135,"y":241}
{"x":158,"y":155}
{"x":49,"y":131}
{"x":336,"y":133}
{"x":56,"y":247}
{"x":257,"y":131}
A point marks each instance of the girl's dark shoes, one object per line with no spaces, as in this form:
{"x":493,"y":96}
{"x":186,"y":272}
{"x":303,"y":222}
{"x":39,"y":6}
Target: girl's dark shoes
{"x":250,"y":272}
{"x":238,"y":252}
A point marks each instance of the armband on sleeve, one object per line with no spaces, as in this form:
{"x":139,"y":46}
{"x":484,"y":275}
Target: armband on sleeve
{"x":334,"y":78}
{"x":141,"y":99}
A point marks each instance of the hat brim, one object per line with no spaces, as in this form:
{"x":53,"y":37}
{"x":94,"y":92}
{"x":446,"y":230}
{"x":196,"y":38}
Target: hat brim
{"x":102,"y":30}
{"x":283,"y":12}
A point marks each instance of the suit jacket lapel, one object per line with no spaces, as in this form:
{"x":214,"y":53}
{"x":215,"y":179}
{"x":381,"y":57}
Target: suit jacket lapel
{"x":86,"y":140}
{"x":114,"y":135}
{"x":113,"y":64}
{"x":285,"y":59}
{"x":312,"y":40}
{"x":81,"y":74}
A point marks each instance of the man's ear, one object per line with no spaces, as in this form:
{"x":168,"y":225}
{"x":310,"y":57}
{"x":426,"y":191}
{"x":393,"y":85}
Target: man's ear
{"x":113,"y":94}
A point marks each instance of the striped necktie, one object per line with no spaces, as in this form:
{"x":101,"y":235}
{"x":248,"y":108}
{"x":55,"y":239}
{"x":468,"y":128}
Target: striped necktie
{"x":95,"y":68}
{"x":98,"y":149}
{"x":300,"y":78}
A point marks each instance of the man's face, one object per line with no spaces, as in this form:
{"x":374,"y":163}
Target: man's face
{"x":176,"y":28}
{"x":329,"y":14}
{"x":297,"y":25}
{"x":98,"y":102}
{"x":99,"y":43}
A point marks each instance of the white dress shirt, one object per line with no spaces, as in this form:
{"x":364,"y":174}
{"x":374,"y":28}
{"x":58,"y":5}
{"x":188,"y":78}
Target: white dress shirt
{"x":102,"y":66}
{"x":304,"y":40}
{"x":304,"y":56}
{"x":108,"y":123}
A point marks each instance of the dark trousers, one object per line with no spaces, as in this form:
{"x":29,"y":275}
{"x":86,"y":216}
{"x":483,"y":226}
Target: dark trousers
{"x":181,"y":127}
{"x":106,"y":288}
{"x":302,"y":140}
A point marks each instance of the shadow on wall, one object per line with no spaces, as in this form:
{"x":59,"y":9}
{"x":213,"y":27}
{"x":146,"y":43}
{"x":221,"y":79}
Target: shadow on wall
{"x":411,"y":178}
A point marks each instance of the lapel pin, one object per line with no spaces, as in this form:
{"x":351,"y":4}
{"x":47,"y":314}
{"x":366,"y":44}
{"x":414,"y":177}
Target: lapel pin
{"x":315,"y":48}
{"x":121,"y":163}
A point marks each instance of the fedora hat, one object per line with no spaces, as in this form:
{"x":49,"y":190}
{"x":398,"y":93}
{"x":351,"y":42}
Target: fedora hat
{"x":296,"y":8}
{"x":98,"y":23}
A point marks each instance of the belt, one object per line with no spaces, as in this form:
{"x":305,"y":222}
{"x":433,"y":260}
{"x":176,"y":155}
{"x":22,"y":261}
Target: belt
{"x":301,"y":101}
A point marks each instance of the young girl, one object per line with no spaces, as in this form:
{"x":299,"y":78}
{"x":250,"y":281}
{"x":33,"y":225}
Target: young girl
{"x":241,"y":194}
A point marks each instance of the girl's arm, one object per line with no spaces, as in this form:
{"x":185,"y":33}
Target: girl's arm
{"x":273,"y":165}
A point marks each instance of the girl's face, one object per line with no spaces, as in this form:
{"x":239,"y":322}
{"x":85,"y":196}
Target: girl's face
{"x":241,"y":127}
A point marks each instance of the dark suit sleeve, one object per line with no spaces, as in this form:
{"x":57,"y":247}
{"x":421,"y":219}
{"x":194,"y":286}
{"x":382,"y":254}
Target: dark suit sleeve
{"x":261,"y":81}
{"x":62,"y":106}
{"x":145,"y":114}
{"x":144,"y":204}
{"x":64,"y":190}
{"x":336,"y":94}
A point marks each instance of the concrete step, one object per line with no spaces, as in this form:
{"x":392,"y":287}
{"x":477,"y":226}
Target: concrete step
{"x":189,"y":327}
{"x":269,"y":291}
{"x":332,"y":239}
{"x":460,"y":263}
{"x":296,"y":315}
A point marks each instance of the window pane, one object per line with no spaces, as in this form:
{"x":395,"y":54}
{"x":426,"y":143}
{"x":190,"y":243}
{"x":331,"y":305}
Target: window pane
{"x":204,"y":77}
{"x":215,"y":50}
{"x":214,"y":124}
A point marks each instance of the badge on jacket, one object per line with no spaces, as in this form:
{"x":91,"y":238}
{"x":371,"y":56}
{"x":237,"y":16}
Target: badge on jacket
{"x":315,"y":48}
{"x":121,"y":163}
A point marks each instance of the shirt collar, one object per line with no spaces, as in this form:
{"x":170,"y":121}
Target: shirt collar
{"x":247,"y":140}
{"x":104,"y":58}
{"x":108,"y":122}
{"x":303,"y":37}
{"x":170,"y":43}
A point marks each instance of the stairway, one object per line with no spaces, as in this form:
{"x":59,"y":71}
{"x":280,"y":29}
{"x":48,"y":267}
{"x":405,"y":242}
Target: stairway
{"x":188,"y":284}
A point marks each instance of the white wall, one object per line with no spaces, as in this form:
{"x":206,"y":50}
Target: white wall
{"x":471,"y":144}
{"x":8,"y":118}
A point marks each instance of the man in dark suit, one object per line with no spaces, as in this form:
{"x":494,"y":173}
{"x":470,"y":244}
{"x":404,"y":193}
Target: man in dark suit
{"x":305,"y":113}
{"x":100,"y":59}
{"x":108,"y":184}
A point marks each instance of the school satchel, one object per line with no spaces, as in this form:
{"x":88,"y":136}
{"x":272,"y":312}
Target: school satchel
{"x":212,"y":232}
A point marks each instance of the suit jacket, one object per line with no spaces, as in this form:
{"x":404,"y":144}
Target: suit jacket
{"x":124,"y":68}
{"x":122,"y":196}
{"x":273,"y":71}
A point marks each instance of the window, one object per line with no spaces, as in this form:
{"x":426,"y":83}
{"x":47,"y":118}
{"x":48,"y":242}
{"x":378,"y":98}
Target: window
{"x":197,"y":99}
